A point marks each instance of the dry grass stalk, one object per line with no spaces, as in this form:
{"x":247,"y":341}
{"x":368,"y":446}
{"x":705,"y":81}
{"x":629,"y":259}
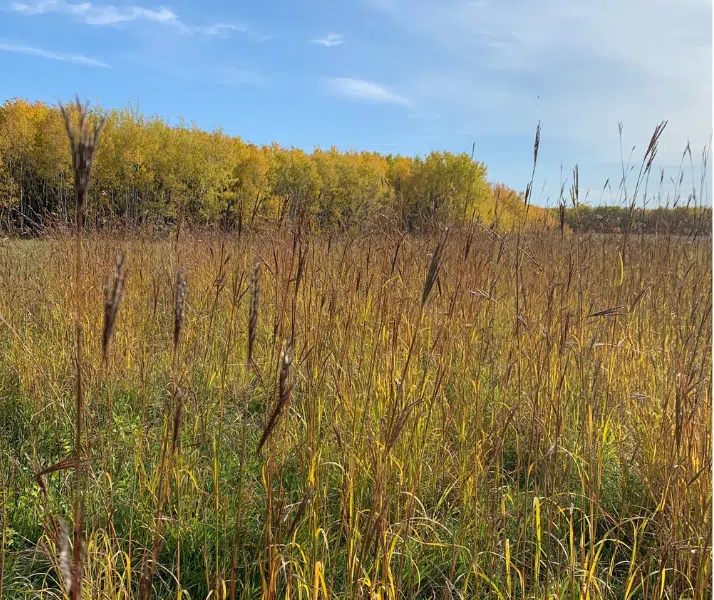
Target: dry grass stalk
{"x":285,"y":386}
{"x":83,"y":139}
{"x":113,"y":292}
{"x":253,"y":312}
{"x":65,"y":558}
{"x":434,"y":268}
{"x":179,"y":397}
{"x":529,"y":188}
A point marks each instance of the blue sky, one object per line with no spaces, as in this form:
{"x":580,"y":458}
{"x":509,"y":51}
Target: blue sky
{"x":404,"y":76}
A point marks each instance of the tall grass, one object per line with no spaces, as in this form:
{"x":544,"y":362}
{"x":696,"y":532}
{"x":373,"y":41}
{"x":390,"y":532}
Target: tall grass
{"x":363,"y":415}
{"x":83,"y":136}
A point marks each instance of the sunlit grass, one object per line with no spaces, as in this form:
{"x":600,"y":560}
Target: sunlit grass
{"x":432,"y":443}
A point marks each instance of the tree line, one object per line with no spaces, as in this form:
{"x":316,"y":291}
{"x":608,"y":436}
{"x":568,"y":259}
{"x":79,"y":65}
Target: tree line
{"x":150,"y":172}
{"x":678,"y":220}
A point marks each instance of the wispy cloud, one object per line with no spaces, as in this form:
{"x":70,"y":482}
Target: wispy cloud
{"x":330,"y":40}
{"x":93,"y":14}
{"x":367,"y":91}
{"x":110,"y":15}
{"x":577,"y":65}
{"x":223,"y":29}
{"x":77,"y":59}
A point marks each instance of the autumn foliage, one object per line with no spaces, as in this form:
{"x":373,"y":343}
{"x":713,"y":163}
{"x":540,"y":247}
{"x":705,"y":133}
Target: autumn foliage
{"x":149,"y":172}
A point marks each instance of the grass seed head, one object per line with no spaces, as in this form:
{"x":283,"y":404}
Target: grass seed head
{"x":83,"y":139}
{"x":653,"y":146}
{"x":180,"y":291}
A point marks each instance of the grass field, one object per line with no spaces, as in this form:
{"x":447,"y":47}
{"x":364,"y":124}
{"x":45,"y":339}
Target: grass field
{"x":294,"y":413}
{"x":465,"y":416}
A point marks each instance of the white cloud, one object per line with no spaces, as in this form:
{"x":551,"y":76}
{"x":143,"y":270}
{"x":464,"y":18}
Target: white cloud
{"x":592,"y":64}
{"x":93,"y":14}
{"x":108,"y":15}
{"x":366,"y":91}
{"x":78,"y":59}
{"x":330,"y":40}
{"x":221,"y":29}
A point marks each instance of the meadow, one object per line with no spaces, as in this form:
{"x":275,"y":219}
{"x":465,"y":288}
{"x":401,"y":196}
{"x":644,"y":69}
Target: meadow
{"x":298,"y":413}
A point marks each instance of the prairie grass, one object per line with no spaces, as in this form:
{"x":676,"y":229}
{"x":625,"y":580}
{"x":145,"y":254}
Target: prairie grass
{"x":471,"y":415}
{"x":300,"y":414}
